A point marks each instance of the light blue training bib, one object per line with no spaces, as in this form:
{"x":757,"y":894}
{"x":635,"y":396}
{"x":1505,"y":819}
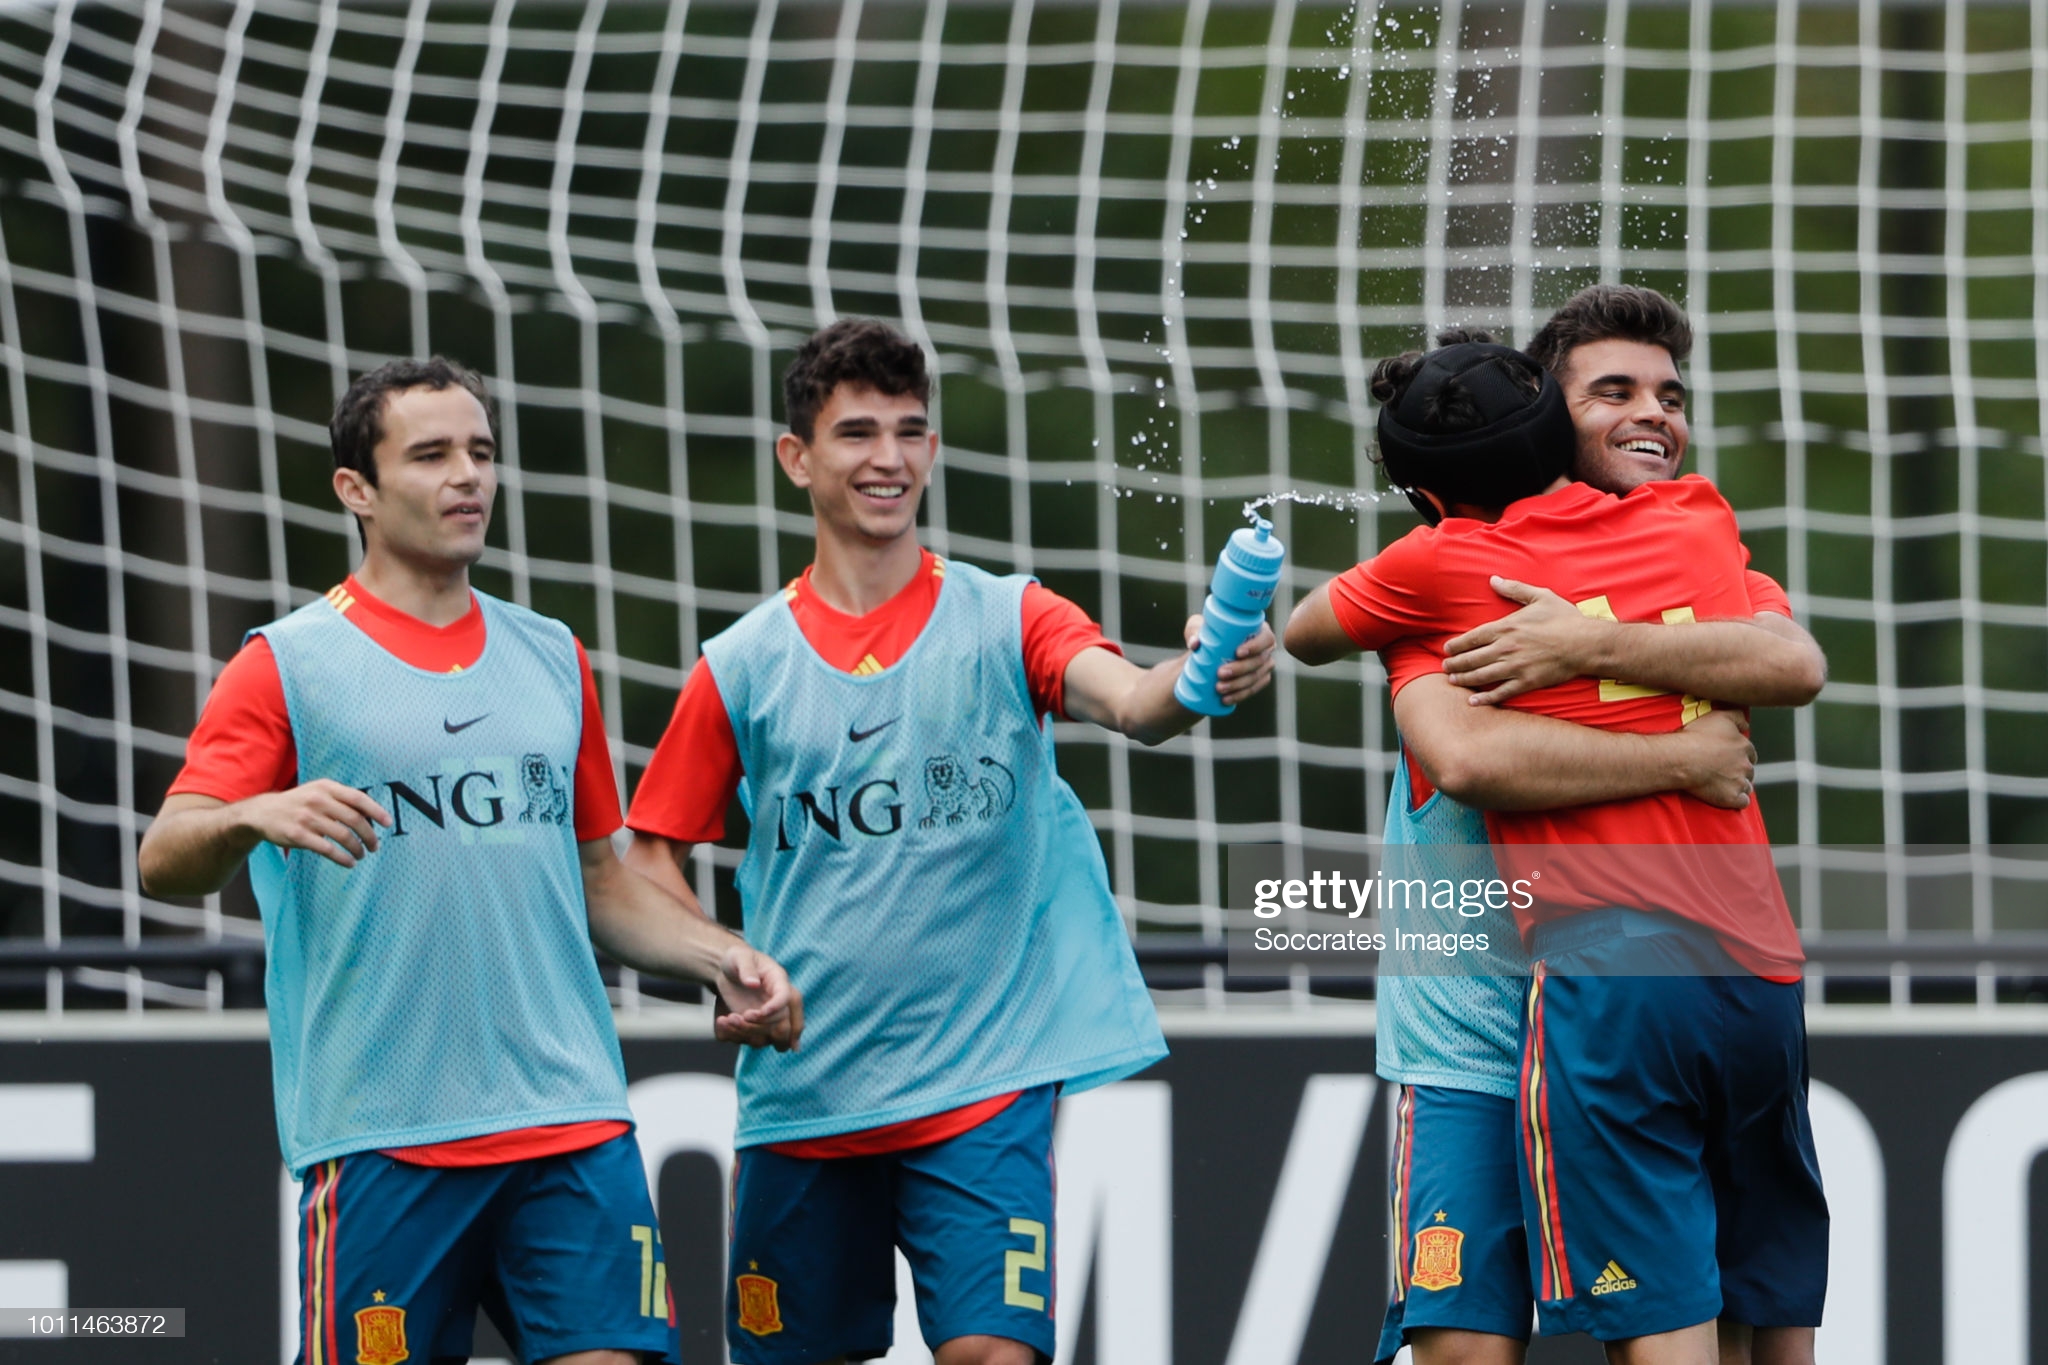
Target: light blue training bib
{"x":445,"y":986}
{"x":924,"y":874}
{"x":1459,"y":1023}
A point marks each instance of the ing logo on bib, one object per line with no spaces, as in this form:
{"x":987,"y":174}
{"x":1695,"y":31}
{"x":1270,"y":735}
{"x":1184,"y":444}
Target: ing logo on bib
{"x":957,"y":795}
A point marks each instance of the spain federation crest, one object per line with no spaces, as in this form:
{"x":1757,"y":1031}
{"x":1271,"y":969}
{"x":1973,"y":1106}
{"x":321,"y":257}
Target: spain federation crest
{"x":1439,"y":1257}
{"x":759,"y":1311}
{"x":380,"y":1335}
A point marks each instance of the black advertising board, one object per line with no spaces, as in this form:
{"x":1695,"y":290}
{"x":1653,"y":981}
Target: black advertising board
{"x":1225,"y":1208}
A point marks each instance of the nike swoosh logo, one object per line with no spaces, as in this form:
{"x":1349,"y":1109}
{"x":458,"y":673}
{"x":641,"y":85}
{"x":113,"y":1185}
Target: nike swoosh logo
{"x":452,"y":728}
{"x":858,"y":735}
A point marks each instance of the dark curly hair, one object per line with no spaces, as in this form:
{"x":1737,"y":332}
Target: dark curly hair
{"x":1612,"y":312}
{"x":860,"y":351}
{"x":1450,"y":408}
{"x":358,"y":422}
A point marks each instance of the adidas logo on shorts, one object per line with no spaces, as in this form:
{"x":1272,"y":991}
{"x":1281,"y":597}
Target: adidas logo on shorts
{"x":1613,"y":1280}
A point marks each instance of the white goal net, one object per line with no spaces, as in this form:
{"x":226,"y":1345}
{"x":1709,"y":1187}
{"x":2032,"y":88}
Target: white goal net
{"x":1154,"y":248}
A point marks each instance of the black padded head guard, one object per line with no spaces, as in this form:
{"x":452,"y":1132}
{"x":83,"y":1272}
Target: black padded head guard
{"x":1469,"y":429}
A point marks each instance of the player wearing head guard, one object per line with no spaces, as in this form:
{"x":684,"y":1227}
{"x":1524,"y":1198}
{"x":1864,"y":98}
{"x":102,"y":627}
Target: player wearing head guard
{"x":418,"y":776}
{"x":1451,"y":1037}
{"x":934,"y":886}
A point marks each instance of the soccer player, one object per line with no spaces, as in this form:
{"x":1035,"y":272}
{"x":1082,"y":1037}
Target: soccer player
{"x":1490,"y":430}
{"x":932,"y":884}
{"x":1451,"y":1039}
{"x":418,"y":777}
{"x":1615,"y":351}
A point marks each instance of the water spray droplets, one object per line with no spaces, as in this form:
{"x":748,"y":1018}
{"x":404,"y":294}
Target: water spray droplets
{"x":1344,"y":501}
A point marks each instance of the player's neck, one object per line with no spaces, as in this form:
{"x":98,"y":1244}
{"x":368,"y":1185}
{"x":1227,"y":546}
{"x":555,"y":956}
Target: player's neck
{"x":1477,"y":513}
{"x":856,"y":576}
{"x":437,"y":595}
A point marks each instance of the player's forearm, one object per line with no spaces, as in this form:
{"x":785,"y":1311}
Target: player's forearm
{"x":1109,"y":690}
{"x":645,"y":927}
{"x":661,"y":861}
{"x":194,"y":846}
{"x":1496,"y":759}
{"x":1151,"y":714}
{"x":1104,"y":688}
{"x":1741,"y":662}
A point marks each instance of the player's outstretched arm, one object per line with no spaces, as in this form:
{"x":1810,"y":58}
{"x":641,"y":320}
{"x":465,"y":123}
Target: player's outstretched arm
{"x":1765,"y":661}
{"x":1500,"y":759}
{"x":648,"y":929}
{"x":1106,"y":689}
{"x":196,"y":842}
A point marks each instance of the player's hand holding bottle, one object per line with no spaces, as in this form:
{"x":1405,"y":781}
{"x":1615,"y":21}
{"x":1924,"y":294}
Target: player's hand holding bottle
{"x":765,"y":1009}
{"x":1246,"y":675}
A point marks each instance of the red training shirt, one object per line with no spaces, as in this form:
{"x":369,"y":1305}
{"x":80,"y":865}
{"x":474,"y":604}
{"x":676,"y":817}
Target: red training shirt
{"x":1764,"y":596}
{"x":695,"y":771}
{"x":243,"y":747}
{"x":1666,"y":551}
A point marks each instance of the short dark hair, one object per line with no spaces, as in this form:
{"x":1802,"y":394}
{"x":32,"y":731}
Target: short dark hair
{"x":1451,"y":408}
{"x":861,"y":351}
{"x":1612,"y":312}
{"x":358,"y":422}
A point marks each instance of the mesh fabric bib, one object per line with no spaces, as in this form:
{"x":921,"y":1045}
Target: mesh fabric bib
{"x":444,"y":987}
{"x":926,"y":877}
{"x":1451,"y":1025}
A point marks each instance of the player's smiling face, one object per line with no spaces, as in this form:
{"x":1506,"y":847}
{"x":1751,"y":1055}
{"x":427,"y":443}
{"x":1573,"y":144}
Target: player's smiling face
{"x":1628,"y":404}
{"x":437,"y":476}
{"x":866,"y":464}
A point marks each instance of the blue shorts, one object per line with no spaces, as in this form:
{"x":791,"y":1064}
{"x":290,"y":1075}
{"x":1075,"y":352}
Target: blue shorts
{"x":1669,"y":1174}
{"x":561,"y":1251}
{"x":813,"y":1270}
{"x":1460,"y":1257}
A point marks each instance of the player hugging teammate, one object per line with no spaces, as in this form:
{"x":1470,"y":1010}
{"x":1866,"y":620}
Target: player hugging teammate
{"x":934,"y":886}
{"x":1637,"y":1102}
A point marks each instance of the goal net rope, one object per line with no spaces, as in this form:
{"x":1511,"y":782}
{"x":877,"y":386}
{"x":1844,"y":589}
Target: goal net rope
{"x":1154,"y":249}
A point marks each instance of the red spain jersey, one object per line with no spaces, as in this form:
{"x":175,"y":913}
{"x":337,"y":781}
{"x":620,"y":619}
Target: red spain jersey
{"x":1667,"y":551}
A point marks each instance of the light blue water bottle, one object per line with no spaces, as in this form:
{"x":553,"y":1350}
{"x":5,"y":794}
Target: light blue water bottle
{"x":1240,"y":593}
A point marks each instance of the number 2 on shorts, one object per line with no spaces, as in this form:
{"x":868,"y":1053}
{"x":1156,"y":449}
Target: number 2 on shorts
{"x":1015,"y":1263}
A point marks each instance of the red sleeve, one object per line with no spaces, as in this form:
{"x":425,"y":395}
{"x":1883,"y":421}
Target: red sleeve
{"x":242,"y":746}
{"x":1391,"y":595}
{"x":1055,"y":630}
{"x":695,"y":770}
{"x":597,"y":792}
{"x":1765,"y":595}
{"x":1406,"y":660}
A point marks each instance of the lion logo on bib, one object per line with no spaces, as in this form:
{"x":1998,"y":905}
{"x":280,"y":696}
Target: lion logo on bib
{"x":955,"y":793}
{"x":547,"y":801}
